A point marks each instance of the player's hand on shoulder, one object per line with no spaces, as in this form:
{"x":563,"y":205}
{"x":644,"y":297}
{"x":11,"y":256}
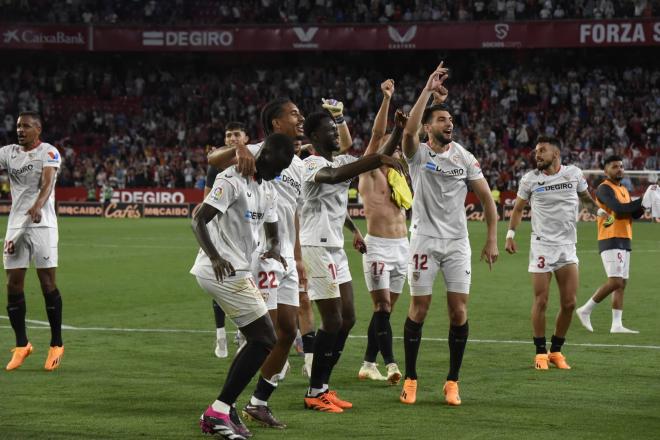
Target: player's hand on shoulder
{"x":387,"y":87}
{"x":245,"y":161}
{"x":391,"y":163}
{"x":222,"y":268}
{"x":511,"y":246}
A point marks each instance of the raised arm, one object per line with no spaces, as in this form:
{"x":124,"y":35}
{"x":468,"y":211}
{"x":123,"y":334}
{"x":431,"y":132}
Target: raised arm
{"x":380,"y":123}
{"x":400,"y":120}
{"x":345,"y":172}
{"x":336,"y":109}
{"x":410,"y":133}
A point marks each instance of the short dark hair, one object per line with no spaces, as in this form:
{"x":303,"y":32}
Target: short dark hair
{"x":281,"y":143}
{"x":543,"y":139}
{"x":32,"y":114}
{"x":313,"y":122}
{"x":272,"y":110}
{"x":428,"y":112}
{"x":612,"y":158}
{"x":233,"y":125}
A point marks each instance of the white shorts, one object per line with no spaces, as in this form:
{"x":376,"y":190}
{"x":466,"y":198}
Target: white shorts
{"x":544,"y":258}
{"x":449,"y":255}
{"x":30,"y":244}
{"x":326,"y":269}
{"x":385,"y":264}
{"x":616,"y":263}
{"x":239,"y":298}
{"x":276,"y":284}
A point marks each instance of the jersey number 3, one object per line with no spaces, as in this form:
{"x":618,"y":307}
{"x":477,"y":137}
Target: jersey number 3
{"x":541,"y":263}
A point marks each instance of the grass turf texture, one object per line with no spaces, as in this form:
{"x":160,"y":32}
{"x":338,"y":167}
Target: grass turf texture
{"x":143,"y":384}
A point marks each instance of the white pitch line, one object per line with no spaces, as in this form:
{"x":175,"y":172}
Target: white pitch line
{"x":46,"y":324}
{"x":478,"y":341}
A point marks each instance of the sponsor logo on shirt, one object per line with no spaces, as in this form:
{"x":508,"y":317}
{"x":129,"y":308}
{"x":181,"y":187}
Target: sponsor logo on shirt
{"x":19,"y":171}
{"x":453,"y":172}
{"x":557,"y":187}
{"x":53,"y":156}
{"x":216,"y":194}
{"x":288,"y":180}
{"x":252,"y":215}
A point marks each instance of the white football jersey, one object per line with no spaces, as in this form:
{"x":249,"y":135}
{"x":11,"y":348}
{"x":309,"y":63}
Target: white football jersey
{"x":440,"y":184}
{"x":25,"y":169}
{"x":324,"y":205}
{"x":651,"y":200}
{"x":245,"y":205}
{"x":288,"y":186}
{"x":554,"y":201}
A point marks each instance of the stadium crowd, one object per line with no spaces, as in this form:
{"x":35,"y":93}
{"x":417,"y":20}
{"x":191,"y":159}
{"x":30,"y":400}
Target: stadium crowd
{"x":315,"y":11}
{"x":152,"y":127}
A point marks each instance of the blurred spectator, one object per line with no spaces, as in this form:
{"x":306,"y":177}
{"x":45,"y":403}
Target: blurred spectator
{"x":147,"y":120}
{"x":186,"y":12}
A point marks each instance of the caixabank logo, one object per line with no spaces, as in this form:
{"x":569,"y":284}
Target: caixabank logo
{"x":41,"y":37}
{"x":402,"y":40}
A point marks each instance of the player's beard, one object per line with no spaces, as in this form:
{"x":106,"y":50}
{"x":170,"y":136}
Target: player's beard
{"x":543,"y":166}
{"x":441,"y":138}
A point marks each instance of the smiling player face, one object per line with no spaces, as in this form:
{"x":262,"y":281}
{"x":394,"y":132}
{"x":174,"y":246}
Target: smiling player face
{"x":440,"y":127}
{"x":290,"y":122}
{"x":545,"y":155}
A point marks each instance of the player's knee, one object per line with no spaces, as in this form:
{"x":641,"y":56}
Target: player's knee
{"x":268,"y":338}
{"x":47,"y":287}
{"x":418,"y":311}
{"x":541,"y":302}
{"x":286,"y":333}
{"x":348,"y":322}
{"x":14,"y":286}
{"x":568,"y":306}
{"x":618,"y":283}
{"x":383,"y":306}
{"x":333,"y":323}
{"x":457,"y":316}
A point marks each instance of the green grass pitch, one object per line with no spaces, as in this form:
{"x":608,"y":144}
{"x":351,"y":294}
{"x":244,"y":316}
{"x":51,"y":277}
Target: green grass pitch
{"x":122,"y":379}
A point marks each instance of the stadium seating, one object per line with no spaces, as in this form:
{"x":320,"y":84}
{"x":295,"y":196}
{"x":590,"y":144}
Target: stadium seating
{"x":160,"y":122}
{"x":309,"y":11}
